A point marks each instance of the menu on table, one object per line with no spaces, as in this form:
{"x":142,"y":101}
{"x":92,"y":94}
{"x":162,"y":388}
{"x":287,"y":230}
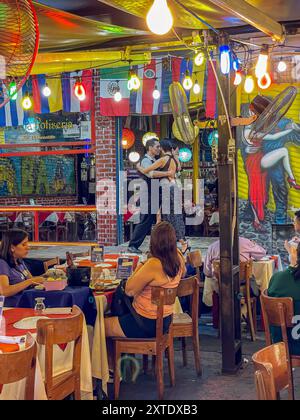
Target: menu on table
{"x":97,"y":253}
{"x":124,"y":268}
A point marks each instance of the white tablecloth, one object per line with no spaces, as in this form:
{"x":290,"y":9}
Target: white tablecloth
{"x":62,"y":363}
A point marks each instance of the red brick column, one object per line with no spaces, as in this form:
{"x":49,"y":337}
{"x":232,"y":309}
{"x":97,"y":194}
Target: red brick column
{"x":105,"y":133}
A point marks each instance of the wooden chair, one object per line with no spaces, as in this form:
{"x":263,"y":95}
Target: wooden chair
{"x":246,"y":268}
{"x":150,"y":346}
{"x":52,"y":332}
{"x":51,"y":263}
{"x":272,"y":372}
{"x":185,"y":325}
{"x":194,"y":258}
{"x":279,"y":312}
{"x":19,"y":365}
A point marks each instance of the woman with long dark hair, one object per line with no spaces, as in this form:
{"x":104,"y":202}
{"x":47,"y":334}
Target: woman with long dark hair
{"x":14,"y":275}
{"x":164,"y":267}
{"x":171,"y":193}
{"x":287,"y":284}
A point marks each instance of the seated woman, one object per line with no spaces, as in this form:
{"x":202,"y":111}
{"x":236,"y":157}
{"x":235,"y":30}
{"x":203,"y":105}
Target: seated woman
{"x":164,"y":267}
{"x":287,"y":284}
{"x":14,"y":275}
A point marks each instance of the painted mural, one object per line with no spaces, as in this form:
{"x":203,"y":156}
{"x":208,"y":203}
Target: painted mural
{"x":269,"y":172}
{"x":34,"y":176}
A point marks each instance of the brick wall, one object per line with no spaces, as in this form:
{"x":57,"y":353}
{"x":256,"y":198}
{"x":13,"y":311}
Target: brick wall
{"x":45,"y":201}
{"x":105,"y":131}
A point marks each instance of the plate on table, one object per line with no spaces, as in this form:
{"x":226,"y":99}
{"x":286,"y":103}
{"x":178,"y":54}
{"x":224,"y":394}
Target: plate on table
{"x":103,"y":265}
{"x":28,"y":323}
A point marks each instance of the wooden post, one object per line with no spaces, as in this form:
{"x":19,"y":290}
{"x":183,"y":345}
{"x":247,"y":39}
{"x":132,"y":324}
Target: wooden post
{"x":230,"y":320}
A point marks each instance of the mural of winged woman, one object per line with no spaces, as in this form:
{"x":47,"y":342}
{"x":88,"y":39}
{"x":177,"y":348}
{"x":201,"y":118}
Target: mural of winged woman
{"x":266,"y":161}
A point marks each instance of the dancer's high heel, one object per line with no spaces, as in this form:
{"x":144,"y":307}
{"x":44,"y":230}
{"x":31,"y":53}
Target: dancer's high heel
{"x":187,"y":249}
{"x":293,"y":183}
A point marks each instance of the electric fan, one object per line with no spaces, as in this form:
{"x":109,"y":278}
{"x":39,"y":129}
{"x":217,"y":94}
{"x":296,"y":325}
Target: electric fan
{"x":183,"y":128}
{"x":270,"y":116}
{"x":19,"y":35}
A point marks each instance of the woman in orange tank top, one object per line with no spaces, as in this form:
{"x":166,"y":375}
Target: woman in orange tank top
{"x":164,"y":267}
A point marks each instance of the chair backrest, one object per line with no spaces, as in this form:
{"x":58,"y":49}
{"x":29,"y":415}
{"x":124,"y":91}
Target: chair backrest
{"x":19,"y":365}
{"x":246,"y":269}
{"x":272,"y":372}
{"x":60,"y":331}
{"x":190,"y":287}
{"x":195,"y":258}
{"x":160,"y":297}
{"x":51,"y":263}
{"x":277,"y":312}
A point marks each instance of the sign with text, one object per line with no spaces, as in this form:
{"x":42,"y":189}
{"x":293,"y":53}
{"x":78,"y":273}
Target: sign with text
{"x":97,"y":253}
{"x":125,"y":268}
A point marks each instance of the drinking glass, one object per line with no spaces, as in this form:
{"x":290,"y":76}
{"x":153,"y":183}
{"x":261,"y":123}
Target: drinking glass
{"x":39,"y":305}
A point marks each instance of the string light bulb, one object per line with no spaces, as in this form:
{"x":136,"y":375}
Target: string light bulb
{"x":236,"y":64}
{"x":118,"y":94}
{"x":265,"y":81}
{"x":238,"y":78}
{"x":225,"y":59}
{"x":12,"y":90}
{"x":26,"y":102}
{"x":262,"y":62}
{"x":249,"y":84}
{"x":196,"y":88}
{"x":199,"y":58}
{"x":281,"y":66}
{"x":134,"y":82}
{"x":79,"y":90}
{"x":46,"y":91}
{"x":159,"y":18}
{"x":187,"y":81}
{"x":156,"y":93}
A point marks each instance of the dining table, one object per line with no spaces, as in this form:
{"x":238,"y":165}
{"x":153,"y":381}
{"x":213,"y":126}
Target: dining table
{"x":62,"y":355}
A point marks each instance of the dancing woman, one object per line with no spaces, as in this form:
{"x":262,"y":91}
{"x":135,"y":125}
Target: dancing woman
{"x":168,"y":162}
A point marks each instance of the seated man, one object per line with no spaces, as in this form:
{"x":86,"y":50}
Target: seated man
{"x":286,"y":284}
{"x":248,"y":250}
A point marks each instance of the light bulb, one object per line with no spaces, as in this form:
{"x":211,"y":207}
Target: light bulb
{"x":12,"y":91}
{"x":265,"y":81}
{"x":238,"y":78}
{"x":134,"y":157}
{"x":46,"y":91}
{"x":136,"y":83}
{"x":156,"y":93}
{"x":196,"y":88}
{"x":236,"y":64}
{"x":281,"y":66}
{"x":187,"y":81}
{"x":124,"y":142}
{"x":199,"y":58}
{"x":129,"y":84}
{"x":262,"y":62}
{"x":249,"y":84}
{"x":225,"y":59}
{"x":118,"y":96}
{"x":79,"y":91}
{"x":159,"y":18}
{"x":26,"y":102}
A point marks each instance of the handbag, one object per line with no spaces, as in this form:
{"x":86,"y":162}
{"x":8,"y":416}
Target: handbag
{"x":122,"y":304}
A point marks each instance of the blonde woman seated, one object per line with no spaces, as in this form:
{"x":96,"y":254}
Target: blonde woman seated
{"x":165,"y":267}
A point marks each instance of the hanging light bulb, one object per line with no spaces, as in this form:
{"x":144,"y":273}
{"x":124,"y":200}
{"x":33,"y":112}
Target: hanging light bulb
{"x":238,"y":78}
{"x":159,"y":18}
{"x":199,"y":58}
{"x":236,"y":64}
{"x":187,"y":81}
{"x":156,"y":93}
{"x":136,"y":83}
{"x":26,"y":102}
{"x":12,"y":90}
{"x":225,"y":59}
{"x":46,"y":91}
{"x":262,"y":62}
{"x":196,"y":88}
{"x":281,"y":65}
{"x":134,"y":157}
{"x":79,"y":90}
{"x":265,"y":81}
{"x":118,"y":94}
{"x":249,"y":84}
